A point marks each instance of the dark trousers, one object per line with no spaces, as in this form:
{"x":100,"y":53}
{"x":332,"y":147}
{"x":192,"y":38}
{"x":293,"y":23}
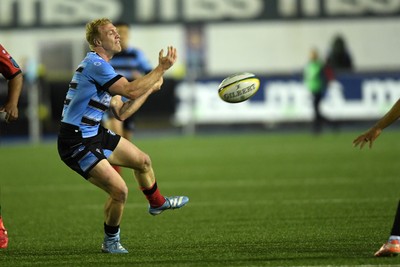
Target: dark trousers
{"x":318,"y":118}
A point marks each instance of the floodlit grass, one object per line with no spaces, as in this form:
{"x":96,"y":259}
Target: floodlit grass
{"x":255,"y":200}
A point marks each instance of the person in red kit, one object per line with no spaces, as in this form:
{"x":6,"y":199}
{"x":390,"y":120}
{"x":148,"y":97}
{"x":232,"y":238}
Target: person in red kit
{"x":13,"y":74}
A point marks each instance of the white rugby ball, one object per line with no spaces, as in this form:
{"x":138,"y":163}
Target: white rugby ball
{"x":238,"y":87}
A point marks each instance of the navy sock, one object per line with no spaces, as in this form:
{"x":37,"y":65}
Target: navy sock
{"x":111,"y":230}
{"x":396,"y":223}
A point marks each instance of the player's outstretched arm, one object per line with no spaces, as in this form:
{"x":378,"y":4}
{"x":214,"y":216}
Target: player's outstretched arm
{"x":140,"y":86}
{"x":372,"y":134}
{"x":123,"y":110}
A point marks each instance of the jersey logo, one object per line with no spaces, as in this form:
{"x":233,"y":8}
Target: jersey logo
{"x":97,"y":63}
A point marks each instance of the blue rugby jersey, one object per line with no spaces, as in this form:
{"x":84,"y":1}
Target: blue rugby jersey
{"x":129,"y":60}
{"x":88,"y":98}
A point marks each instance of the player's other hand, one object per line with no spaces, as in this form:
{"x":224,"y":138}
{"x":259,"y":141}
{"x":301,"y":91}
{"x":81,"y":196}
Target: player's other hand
{"x":367,"y":137}
{"x":167,"y":61}
{"x":11,"y":113}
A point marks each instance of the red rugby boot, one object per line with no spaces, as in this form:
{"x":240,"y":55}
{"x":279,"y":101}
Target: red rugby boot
{"x":391,"y":248}
{"x":3,"y":235}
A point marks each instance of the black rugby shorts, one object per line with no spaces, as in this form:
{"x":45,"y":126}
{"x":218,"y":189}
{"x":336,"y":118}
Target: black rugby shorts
{"x":82,"y":154}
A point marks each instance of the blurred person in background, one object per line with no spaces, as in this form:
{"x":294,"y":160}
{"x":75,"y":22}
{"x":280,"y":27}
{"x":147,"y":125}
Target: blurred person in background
{"x":89,"y":149}
{"x":13,"y":74}
{"x":131,"y":63}
{"x":392,"y":246}
{"x":339,"y":57}
{"x":316,"y":77}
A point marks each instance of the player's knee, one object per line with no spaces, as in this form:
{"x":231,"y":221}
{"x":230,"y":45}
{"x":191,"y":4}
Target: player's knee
{"x":145,"y":163}
{"x":120,"y":194}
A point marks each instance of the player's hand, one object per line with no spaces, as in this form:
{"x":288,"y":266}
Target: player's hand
{"x":167,"y":61}
{"x":11,"y":112}
{"x":367,"y":137}
{"x":116,"y":101}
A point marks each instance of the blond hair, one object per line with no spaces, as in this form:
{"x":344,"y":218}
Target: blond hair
{"x":92,"y":30}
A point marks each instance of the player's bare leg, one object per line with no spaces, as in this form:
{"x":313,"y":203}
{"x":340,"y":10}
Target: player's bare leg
{"x":107,"y":178}
{"x":128,"y":155}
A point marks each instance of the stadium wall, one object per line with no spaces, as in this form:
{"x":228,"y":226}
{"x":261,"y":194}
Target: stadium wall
{"x":285,"y":99}
{"x":271,"y":38}
{"x":260,"y":47}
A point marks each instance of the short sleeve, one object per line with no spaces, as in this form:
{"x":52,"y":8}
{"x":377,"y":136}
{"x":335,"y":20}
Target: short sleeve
{"x":103,"y":74}
{"x":8,"y":66}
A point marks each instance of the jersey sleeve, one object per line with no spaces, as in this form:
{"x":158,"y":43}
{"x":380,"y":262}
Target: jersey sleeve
{"x":103,"y":74}
{"x":8,"y":66}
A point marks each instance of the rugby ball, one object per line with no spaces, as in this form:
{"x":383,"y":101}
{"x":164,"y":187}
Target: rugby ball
{"x":238,"y":87}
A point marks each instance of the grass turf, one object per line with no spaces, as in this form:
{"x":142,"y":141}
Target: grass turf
{"x":255,"y":200}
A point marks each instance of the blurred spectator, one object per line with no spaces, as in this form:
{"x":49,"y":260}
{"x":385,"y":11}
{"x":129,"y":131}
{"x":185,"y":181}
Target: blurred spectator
{"x":316,"y":77}
{"x":13,"y":74}
{"x":339,"y":58}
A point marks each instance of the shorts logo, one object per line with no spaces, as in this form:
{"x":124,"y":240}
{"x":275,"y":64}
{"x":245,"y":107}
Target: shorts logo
{"x":110,"y":132}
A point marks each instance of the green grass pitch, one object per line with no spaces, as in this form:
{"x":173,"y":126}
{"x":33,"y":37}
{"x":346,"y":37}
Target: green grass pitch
{"x":255,"y":200}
